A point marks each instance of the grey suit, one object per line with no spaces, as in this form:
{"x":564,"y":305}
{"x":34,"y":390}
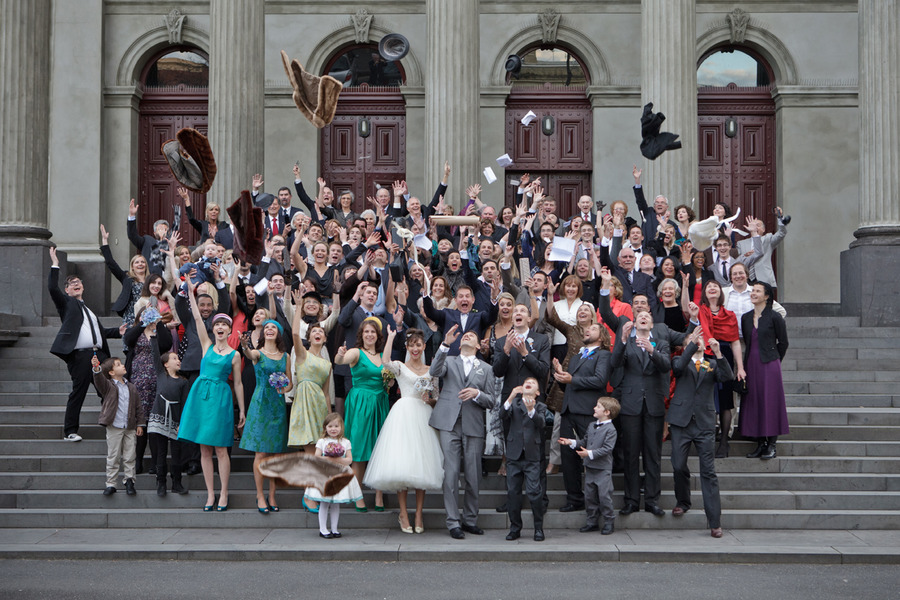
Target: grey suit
{"x":692,"y":420}
{"x":764,"y":245}
{"x":461,"y":429}
{"x":598,"y":488}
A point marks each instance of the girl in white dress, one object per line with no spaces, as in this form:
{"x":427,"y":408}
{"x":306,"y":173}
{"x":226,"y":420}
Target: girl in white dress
{"x":407,"y":453}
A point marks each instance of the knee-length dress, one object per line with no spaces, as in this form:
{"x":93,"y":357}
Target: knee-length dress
{"x":208,"y":415}
{"x":143,"y":372}
{"x":333,"y":448}
{"x":265,"y":429}
{"x":310,"y":404}
{"x":366,"y":407}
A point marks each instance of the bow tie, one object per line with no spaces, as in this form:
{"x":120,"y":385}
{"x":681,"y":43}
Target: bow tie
{"x":597,"y":425}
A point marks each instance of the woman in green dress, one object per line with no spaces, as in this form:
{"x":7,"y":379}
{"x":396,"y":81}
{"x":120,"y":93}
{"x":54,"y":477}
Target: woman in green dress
{"x":265,"y":432}
{"x":311,"y":375}
{"x":366,"y":405}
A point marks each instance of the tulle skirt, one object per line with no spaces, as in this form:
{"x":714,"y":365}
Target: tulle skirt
{"x":407,"y":454}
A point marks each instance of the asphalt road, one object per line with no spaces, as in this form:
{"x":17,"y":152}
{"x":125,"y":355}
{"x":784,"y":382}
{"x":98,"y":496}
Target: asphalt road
{"x":135,"y":580}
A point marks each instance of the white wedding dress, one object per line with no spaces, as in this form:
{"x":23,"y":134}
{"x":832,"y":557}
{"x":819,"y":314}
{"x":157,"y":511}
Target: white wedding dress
{"x":407,"y":453}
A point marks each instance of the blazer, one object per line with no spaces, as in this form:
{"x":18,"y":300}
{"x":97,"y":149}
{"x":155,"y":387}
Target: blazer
{"x":645,"y":376}
{"x":524,"y":435}
{"x":641,"y":283}
{"x":600,"y":440}
{"x":145,"y":244}
{"x":449,"y":407}
{"x":649,"y":213}
{"x":765,"y":245}
{"x":72,"y":316}
{"x":127,"y":282}
{"x":589,"y":378}
{"x":109,"y":399}
{"x":448,"y":317}
{"x":225,"y":236}
{"x":202,"y":227}
{"x":514,"y":368}
{"x":771,"y":334}
{"x":695,"y":392}
{"x":660,"y":329}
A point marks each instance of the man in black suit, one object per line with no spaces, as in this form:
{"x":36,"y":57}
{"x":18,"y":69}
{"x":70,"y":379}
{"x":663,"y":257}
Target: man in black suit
{"x":623,"y":268}
{"x":78,"y":341}
{"x":655,"y":216}
{"x":521,"y":353}
{"x":151,"y":247}
{"x":645,"y":362}
{"x":523,"y":419}
{"x":585,"y":210}
{"x":585,"y":380}
{"x":692,"y":420}
{"x":462,"y":315}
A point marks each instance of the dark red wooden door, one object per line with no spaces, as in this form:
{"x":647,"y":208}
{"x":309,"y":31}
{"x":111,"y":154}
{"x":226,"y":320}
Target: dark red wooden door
{"x":563,"y":159}
{"x":351,"y":162}
{"x":738,"y":170}
{"x":161,"y":116}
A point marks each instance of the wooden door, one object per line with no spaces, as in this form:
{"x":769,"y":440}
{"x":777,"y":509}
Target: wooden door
{"x":162,"y":114}
{"x":562,"y":159}
{"x":738,"y":170}
{"x":351,"y":162}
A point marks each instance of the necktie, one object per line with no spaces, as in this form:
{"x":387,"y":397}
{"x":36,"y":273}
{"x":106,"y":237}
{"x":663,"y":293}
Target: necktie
{"x":274,"y":225}
{"x":585,"y":352}
{"x":724,"y":271}
{"x":697,"y":364}
{"x":467,"y":365}
{"x":630,"y":276}
{"x":87,"y":315}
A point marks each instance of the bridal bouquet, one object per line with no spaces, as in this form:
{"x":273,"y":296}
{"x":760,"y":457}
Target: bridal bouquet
{"x":425,"y":387}
{"x":279,"y":380}
{"x":387,"y":378}
{"x":333,"y":450}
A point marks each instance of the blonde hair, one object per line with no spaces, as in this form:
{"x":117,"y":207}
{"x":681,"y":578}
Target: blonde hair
{"x":211,"y":205}
{"x":131,"y":272}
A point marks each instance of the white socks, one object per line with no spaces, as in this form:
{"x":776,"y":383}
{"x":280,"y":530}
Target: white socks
{"x":326,"y":509}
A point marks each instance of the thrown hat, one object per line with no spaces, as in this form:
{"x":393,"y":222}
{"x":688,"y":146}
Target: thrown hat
{"x":191,"y":159}
{"x":248,"y":229}
{"x":655,"y":143}
{"x":316,"y":97}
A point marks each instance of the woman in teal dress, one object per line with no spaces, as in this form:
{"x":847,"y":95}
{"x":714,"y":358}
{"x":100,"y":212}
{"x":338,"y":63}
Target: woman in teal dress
{"x":366,"y":405}
{"x":208,"y":415}
{"x":266,"y":430}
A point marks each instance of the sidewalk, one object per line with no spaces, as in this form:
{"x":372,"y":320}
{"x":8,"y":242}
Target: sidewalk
{"x":635,"y":545}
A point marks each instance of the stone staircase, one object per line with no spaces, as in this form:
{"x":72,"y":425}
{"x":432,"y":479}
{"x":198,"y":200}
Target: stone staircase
{"x":838,"y":469}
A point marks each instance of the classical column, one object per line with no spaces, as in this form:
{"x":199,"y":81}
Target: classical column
{"x":451,"y":96}
{"x":669,"y":81}
{"x":236,"y":95}
{"x":24,"y":134}
{"x":865,"y":290}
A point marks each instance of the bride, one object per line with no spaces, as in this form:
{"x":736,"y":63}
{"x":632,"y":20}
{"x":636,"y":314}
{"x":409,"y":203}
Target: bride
{"x":407,"y":453}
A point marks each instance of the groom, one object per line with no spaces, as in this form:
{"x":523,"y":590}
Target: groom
{"x":459,"y":418}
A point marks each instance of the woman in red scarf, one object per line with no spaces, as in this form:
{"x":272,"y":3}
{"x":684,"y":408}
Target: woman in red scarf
{"x":720,"y":323}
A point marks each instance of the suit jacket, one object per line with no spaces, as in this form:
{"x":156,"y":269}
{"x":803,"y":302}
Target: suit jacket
{"x":449,"y":407}
{"x":641,"y":283}
{"x":660,"y":329}
{"x":524,"y":435}
{"x":127,"y":282}
{"x":589,"y":378}
{"x":514,"y":368}
{"x":771,"y":335}
{"x":225,"y":236}
{"x":695,"y":392}
{"x":145,"y":244}
{"x":601,"y":441}
{"x":650,"y":222}
{"x":194,"y":352}
{"x":448,"y":317}
{"x":765,"y":245}
{"x":202,"y":227}
{"x":645,"y":376}
{"x":267,"y":222}
{"x":72,"y":316}
{"x":716,"y":267}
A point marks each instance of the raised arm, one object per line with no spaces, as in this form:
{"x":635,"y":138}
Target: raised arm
{"x":131,"y":227}
{"x":205,"y":342}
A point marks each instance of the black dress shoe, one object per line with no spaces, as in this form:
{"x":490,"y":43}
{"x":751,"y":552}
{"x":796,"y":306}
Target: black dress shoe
{"x":161,"y":488}
{"x":473,"y":529}
{"x":770,"y":453}
{"x":628,"y":509}
{"x":151,"y":471}
{"x":193,"y":470}
{"x":654,"y":510}
{"x":327,"y":536}
{"x":457,"y":534}
{"x":588,"y":528}
{"x":512,"y":536}
{"x":572,"y":508}
{"x":129,"y":487}
{"x":177,"y":488}
{"x":109,"y":491}
{"x":502,"y":508}
{"x":761,"y":449}
{"x":539,"y":535}
{"x":608,"y":528}
{"x":139,"y":468}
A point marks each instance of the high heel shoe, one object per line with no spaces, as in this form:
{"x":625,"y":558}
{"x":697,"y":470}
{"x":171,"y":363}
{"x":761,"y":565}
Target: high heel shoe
{"x":312,"y":510}
{"x":361,"y":510}
{"x":264,"y":510}
{"x":377,"y":508}
{"x":419,"y":529}
{"x":406,"y":529}
{"x":273,"y":507}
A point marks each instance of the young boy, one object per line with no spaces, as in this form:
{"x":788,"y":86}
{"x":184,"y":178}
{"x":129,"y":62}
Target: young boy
{"x":523,"y":419}
{"x":596,"y":452}
{"x":122,"y":415}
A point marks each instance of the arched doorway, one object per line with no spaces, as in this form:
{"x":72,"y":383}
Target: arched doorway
{"x":176,"y":92}
{"x":736,"y":121}
{"x":557,"y":145}
{"x":364,"y":147}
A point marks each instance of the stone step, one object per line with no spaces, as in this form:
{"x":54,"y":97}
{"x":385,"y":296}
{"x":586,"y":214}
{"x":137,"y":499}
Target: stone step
{"x":813,"y":342}
{"x":846,"y":402}
{"x":817,"y":415}
{"x":843,"y":433}
{"x":840,"y":377}
{"x":829,"y":332}
{"x":130,"y":518}
{"x":840,"y":387}
{"x":843,"y":366}
{"x":795,"y":322}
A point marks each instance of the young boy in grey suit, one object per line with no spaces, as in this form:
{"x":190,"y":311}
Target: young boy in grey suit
{"x":596,"y":452}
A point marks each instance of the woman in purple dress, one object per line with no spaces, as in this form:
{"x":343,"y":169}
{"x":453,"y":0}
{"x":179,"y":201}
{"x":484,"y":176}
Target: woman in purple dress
{"x":763,"y":410}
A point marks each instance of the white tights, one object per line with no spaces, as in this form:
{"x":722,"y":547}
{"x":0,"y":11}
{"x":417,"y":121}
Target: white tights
{"x":325,"y":509}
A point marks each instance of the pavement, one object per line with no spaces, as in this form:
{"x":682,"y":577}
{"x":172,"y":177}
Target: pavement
{"x":636,"y":545}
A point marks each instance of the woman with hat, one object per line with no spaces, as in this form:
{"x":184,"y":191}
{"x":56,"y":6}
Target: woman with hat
{"x":265,"y":432}
{"x":208,"y":415}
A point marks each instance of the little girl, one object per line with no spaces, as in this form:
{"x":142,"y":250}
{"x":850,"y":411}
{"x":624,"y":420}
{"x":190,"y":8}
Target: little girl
{"x":336,"y":447}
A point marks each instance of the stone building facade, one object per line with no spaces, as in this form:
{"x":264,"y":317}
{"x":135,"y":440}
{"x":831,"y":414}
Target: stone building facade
{"x":74,"y":91}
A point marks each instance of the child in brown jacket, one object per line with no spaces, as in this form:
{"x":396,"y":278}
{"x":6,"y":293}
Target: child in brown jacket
{"x":123,"y":417}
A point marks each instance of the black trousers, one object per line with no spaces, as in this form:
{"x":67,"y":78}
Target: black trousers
{"x":642,"y":437}
{"x":80,"y":370}
{"x":527,"y":472}
{"x":573,"y":426}
{"x":704,"y":440}
{"x":160,"y":446}
{"x":190,"y":452}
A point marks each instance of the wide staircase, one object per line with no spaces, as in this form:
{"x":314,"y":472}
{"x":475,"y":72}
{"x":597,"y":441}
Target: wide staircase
{"x":838,"y":469}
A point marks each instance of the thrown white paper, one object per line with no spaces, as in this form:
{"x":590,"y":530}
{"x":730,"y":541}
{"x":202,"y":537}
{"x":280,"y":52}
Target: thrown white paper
{"x":489,"y":175}
{"x":422,"y":242}
{"x":528,"y":118}
{"x":261,"y":286}
{"x":504,"y":161}
{"x":563,"y":249}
